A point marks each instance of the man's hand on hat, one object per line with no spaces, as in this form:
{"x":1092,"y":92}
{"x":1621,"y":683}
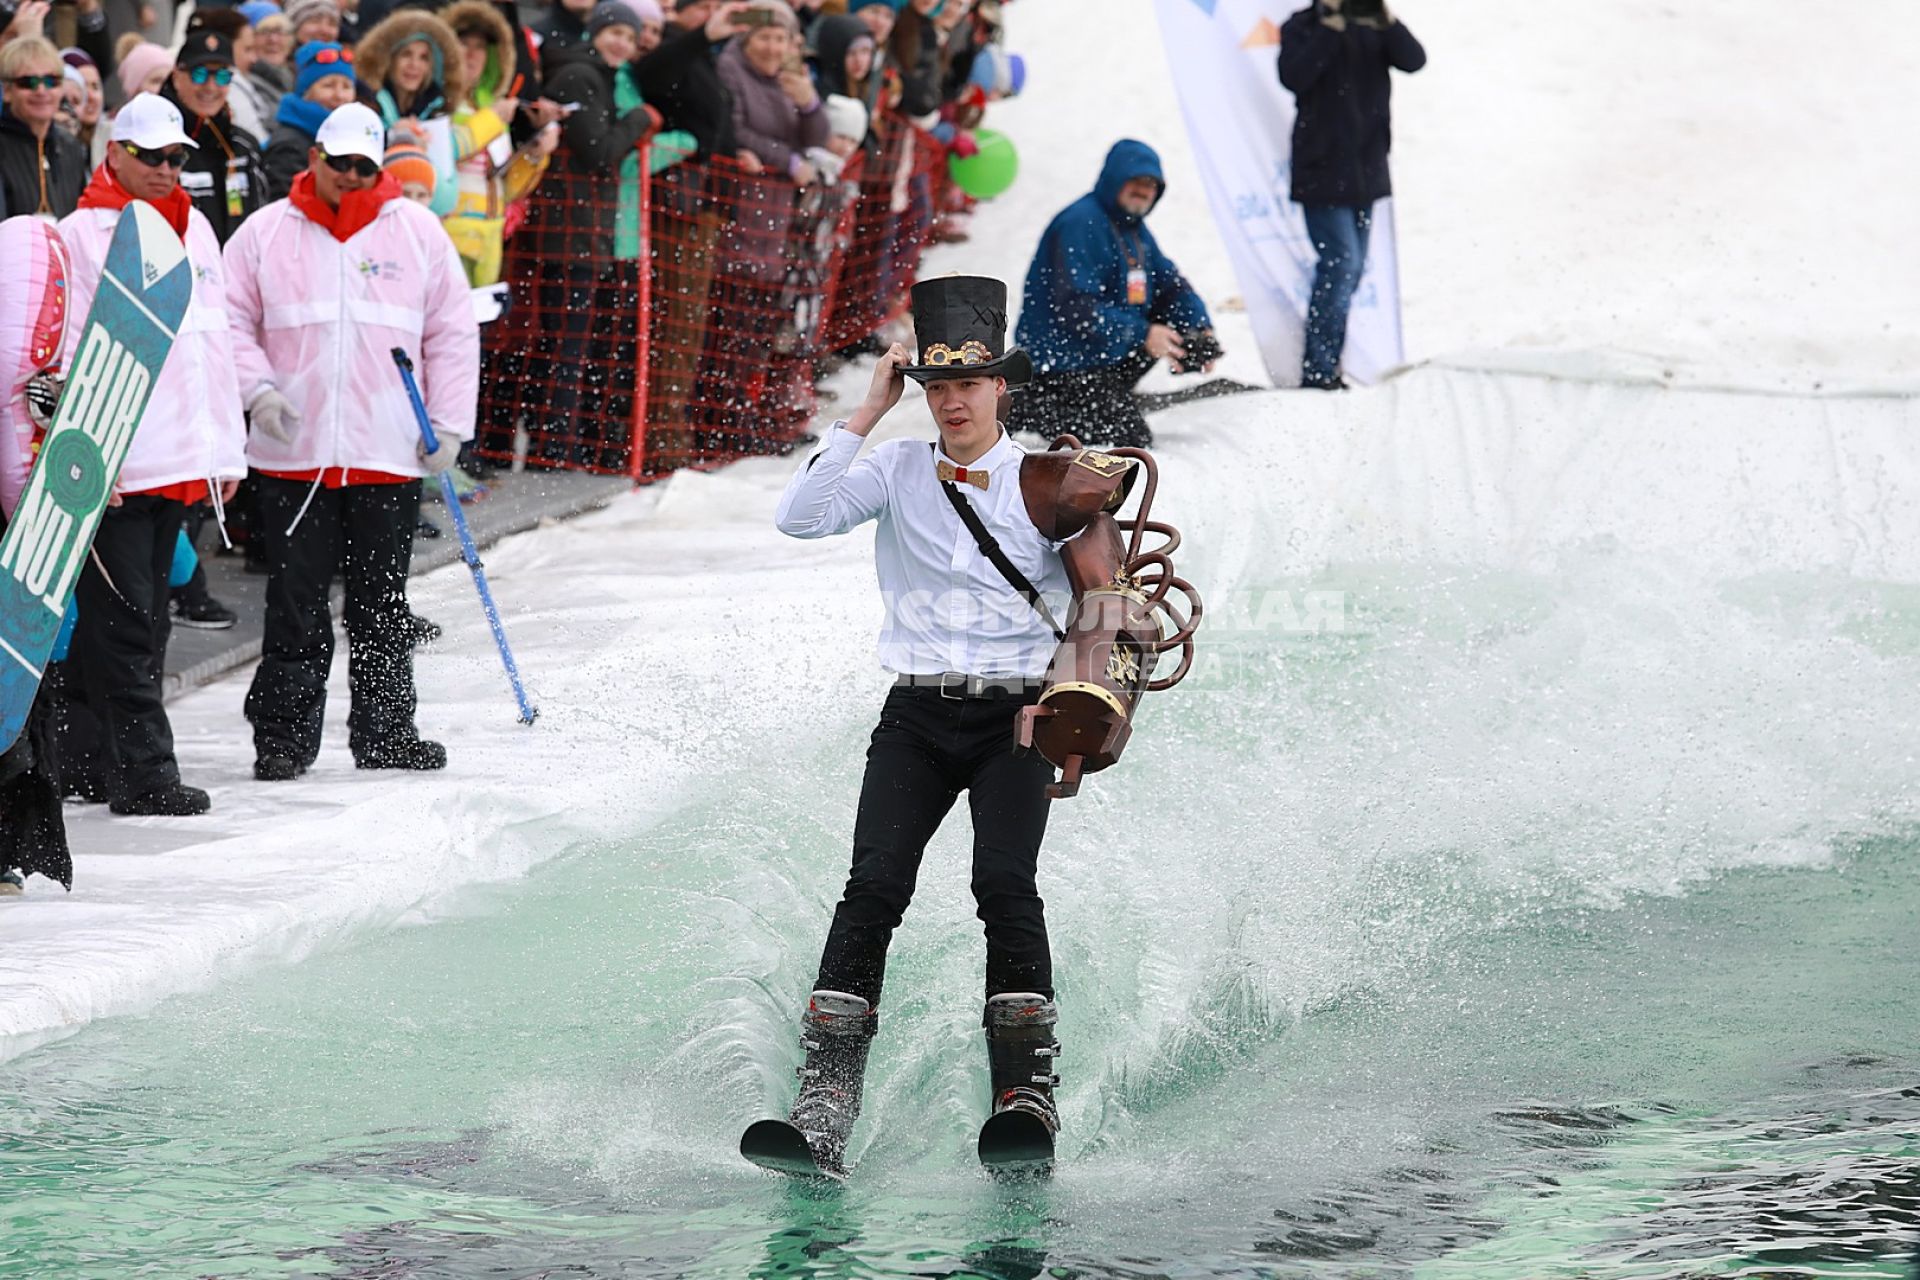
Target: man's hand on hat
{"x":888,"y":385}
{"x":1163,"y":343}
{"x":273,"y":415}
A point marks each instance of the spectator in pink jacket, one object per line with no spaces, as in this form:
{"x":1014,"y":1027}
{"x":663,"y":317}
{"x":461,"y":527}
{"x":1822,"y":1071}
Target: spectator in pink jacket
{"x":188,"y":448}
{"x":323,"y":286}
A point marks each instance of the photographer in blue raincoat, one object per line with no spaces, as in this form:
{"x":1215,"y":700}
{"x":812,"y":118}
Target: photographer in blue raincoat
{"x":1102,"y":305}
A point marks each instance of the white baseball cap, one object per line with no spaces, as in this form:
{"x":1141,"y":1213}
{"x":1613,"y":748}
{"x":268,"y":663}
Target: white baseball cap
{"x":353,"y":130}
{"x":150,"y":122}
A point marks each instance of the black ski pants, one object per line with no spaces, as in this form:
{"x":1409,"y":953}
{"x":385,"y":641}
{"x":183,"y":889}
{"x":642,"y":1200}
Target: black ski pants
{"x":1097,"y":404}
{"x":120,"y":641}
{"x":926,"y":750}
{"x":365,"y":532}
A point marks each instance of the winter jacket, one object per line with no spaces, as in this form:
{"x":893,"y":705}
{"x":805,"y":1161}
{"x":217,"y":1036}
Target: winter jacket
{"x":681,"y":80}
{"x":318,"y":319}
{"x":491,"y":172}
{"x":1344,"y":126}
{"x":765,"y":120}
{"x":286,"y":157}
{"x":270,"y":84}
{"x":582,"y":187}
{"x":40,"y":176}
{"x":1075,"y":313}
{"x":192,"y":428}
{"x":560,"y":32}
{"x":226,"y":174}
{"x":914,"y":51}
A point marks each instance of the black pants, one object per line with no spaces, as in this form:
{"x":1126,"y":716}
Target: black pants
{"x":120,"y":641}
{"x":366,"y":533}
{"x":1097,"y":405}
{"x":926,"y":750}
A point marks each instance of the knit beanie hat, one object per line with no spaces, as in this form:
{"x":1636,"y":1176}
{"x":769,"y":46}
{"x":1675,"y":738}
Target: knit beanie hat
{"x":649,"y":10}
{"x":610,"y":13}
{"x":299,"y":11}
{"x":142,"y":61}
{"x":407,"y":159}
{"x":309,"y":70}
{"x":846,"y":117}
{"x":779,"y":12}
{"x":855,"y":6}
{"x":256,"y":10}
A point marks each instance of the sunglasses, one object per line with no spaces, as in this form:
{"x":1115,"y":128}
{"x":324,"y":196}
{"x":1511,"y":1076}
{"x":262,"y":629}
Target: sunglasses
{"x":37,"y":82}
{"x":222,"y":76}
{"x":358,"y":166}
{"x":172,"y":157}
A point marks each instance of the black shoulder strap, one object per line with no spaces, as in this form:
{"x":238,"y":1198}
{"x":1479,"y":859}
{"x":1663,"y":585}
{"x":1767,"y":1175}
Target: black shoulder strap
{"x":990,"y":548}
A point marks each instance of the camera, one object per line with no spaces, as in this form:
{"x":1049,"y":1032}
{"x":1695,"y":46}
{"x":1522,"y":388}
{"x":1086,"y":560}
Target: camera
{"x":1201,"y":348}
{"x":748,"y":18}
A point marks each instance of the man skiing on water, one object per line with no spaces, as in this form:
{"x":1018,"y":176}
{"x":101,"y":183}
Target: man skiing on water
{"x":968,"y":652}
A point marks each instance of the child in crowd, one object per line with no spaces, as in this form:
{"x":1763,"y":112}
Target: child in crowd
{"x":846,"y":126}
{"x":407,"y":161}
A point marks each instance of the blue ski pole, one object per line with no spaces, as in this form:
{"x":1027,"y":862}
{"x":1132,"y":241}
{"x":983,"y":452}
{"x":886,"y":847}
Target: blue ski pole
{"x":467,"y":550}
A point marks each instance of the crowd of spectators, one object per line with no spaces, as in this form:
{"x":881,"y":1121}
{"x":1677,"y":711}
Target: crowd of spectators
{"x":676,"y":215}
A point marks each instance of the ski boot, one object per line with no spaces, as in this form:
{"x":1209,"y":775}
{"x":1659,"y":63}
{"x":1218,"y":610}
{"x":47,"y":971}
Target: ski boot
{"x":1021,"y":1053}
{"x":836,"y":1031}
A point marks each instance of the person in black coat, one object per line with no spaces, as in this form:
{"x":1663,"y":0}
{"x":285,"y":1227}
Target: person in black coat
{"x":43,"y":168}
{"x":226,"y":173}
{"x":1335,"y":56}
{"x":681,"y":79}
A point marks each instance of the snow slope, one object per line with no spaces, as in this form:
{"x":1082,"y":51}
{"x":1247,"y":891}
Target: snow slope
{"x":1597,"y":182}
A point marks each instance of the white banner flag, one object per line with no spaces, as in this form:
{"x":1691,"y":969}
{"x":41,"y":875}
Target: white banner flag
{"x":1225,"y":56}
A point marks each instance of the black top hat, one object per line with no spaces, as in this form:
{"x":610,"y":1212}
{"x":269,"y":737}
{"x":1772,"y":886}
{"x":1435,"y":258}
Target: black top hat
{"x":960,"y":323}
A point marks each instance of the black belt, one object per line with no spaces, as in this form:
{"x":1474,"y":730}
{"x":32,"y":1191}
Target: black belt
{"x":958,"y":687}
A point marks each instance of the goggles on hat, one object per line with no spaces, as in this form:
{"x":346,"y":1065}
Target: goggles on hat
{"x":38,"y":82}
{"x":154,"y":157}
{"x":222,"y":76}
{"x":359,"y":166}
{"x":326,"y":57}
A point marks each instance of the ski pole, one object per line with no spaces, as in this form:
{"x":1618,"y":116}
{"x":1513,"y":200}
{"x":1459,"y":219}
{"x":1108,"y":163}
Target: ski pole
{"x":468,"y":552}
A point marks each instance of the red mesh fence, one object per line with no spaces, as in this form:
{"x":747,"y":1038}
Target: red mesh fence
{"x":680,"y":320}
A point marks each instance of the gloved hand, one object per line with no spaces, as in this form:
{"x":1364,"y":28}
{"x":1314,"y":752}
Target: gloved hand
{"x":273,"y":415}
{"x":43,"y":397}
{"x":1330,"y":15}
{"x":440,"y":459}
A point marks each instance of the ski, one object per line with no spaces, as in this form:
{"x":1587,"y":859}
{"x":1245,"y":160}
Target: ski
{"x":144,"y":291}
{"x":1016,"y":1143}
{"x":778,"y":1147}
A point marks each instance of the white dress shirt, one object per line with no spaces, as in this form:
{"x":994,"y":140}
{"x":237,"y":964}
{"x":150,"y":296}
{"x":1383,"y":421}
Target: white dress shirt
{"x":948,"y":608}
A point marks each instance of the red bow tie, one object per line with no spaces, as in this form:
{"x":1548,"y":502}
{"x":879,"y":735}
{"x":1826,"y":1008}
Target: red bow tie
{"x":950,"y":474}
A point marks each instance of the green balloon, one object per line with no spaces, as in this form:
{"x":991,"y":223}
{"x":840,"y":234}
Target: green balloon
{"x":989,"y":171}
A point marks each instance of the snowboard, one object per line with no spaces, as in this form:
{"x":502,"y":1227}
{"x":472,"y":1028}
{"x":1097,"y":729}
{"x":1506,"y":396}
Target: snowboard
{"x":777,"y":1146}
{"x":1016,"y":1144}
{"x":144,"y":290}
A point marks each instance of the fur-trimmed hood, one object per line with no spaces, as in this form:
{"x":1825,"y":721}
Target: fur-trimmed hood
{"x":482,"y":18}
{"x":373,"y":55}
